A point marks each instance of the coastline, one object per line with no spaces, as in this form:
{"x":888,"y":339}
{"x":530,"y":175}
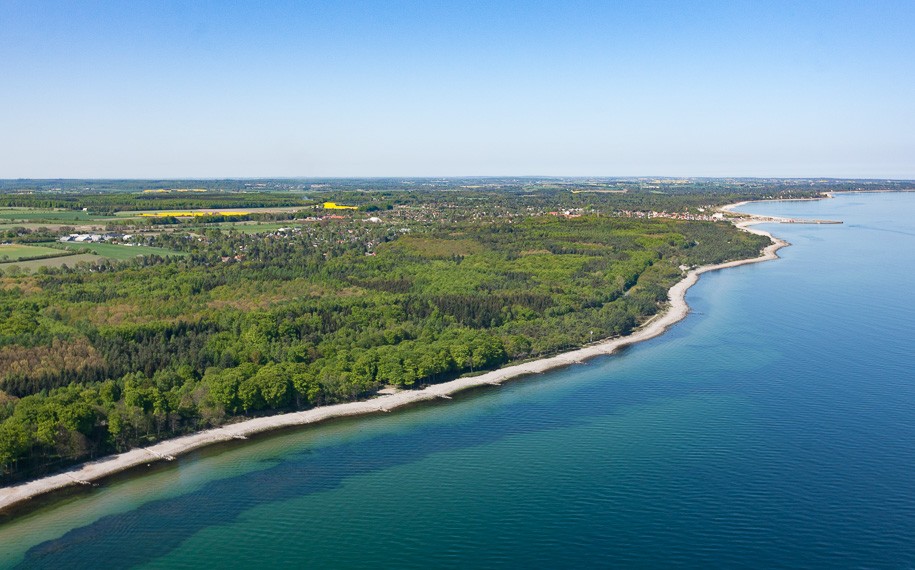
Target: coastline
{"x":94,"y":471}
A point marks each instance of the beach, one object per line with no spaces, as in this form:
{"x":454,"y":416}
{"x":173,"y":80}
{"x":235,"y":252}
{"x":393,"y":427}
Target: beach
{"x":92,"y":472}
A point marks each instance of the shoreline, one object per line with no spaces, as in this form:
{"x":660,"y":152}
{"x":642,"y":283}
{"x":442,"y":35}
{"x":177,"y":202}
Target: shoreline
{"x":88,"y":474}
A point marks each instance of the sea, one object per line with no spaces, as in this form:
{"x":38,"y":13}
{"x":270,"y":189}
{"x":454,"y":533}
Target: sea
{"x":774,"y":427}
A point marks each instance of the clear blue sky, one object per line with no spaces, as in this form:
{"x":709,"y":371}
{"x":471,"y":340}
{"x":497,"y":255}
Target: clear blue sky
{"x":373,"y":88}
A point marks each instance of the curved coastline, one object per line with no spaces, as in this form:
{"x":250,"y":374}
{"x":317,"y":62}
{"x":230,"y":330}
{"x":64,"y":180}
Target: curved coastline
{"x":94,"y":471}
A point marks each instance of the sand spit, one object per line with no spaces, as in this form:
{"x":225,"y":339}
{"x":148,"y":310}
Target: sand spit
{"x":747,"y":219}
{"x":89,"y":473}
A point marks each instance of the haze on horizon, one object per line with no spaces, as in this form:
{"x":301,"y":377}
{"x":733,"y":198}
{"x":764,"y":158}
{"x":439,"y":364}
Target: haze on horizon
{"x":349,"y":89}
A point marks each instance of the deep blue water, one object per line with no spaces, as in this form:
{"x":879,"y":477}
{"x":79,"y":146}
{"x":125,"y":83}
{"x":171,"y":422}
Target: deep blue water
{"x":774,"y":427}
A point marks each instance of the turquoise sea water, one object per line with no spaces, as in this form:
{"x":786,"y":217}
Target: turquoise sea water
{"x":773,"y":427}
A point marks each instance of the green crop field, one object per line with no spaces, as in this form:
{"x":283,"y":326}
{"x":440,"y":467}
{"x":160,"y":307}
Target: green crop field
{"x":33,"y":215}
{"x":68,"y":260}
{"x":10,"y":253}
{"x":115,"y":251}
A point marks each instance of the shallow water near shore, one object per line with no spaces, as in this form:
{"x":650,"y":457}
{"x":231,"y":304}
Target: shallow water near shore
{"x":772,"y":427}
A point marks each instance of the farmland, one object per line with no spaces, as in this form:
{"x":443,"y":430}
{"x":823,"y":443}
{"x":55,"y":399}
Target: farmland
{"x":118,"y":251}
{"x":67,"y":260}
{"x":49,"y":215}
{"x":192,"y":213}
{"x":15,"y":252}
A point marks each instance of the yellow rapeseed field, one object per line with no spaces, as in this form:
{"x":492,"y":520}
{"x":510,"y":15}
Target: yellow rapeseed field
{"x":190,"y":214}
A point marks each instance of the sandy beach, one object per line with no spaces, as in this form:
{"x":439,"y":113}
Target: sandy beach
{"x":92,"y":472}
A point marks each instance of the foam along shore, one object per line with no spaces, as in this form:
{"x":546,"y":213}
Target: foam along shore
{"x":91,"y":472}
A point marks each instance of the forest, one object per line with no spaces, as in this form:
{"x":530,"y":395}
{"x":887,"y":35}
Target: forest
{"x":98,"y":358}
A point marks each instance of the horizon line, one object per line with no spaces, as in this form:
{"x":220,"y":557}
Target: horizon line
{"x":458,"y":177}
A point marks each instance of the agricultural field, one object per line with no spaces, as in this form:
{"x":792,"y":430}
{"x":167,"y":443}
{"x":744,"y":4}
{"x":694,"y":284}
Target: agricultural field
{"x":115,"y":251}
{"x":190,"y":214}
{"x":15,"y":252}
{"x":50,"y":215}
{"x":55,"y":227}
{"x":51,"y":262}
{"x":195,"y":213}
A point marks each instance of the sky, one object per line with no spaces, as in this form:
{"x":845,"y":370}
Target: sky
{"x":152,"y":89}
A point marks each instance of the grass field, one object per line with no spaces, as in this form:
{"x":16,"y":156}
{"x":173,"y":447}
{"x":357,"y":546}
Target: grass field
{"x":34,"y":215}
{"x":114,"y":251}
{"x":68,"y":260}
{"x":16,"y":252}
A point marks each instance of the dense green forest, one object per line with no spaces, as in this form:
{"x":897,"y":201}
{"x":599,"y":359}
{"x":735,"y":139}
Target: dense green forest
{"x":101,"y":357}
